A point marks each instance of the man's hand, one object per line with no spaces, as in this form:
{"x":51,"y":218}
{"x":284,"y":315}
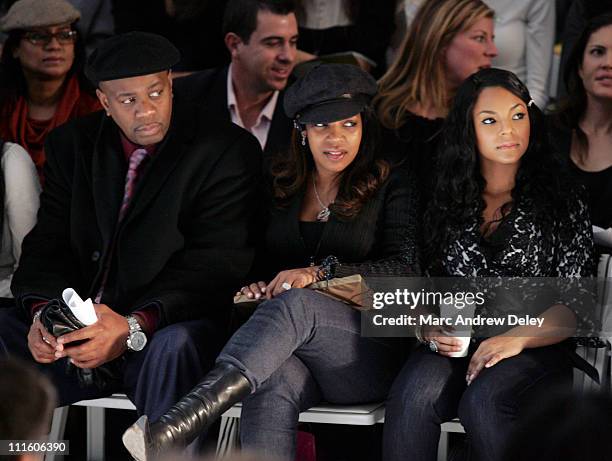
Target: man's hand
{"x":41,"y":343}
{"x":104,"y":340}
{"x":492,"y":351}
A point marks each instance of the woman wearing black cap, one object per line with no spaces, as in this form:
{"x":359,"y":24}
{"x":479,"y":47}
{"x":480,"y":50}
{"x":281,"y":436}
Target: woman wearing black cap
{"x":332,"y":196}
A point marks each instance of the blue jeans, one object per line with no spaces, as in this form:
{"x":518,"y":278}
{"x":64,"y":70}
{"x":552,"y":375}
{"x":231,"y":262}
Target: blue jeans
{"x":297,"y":350}
{"x":431,"y":389}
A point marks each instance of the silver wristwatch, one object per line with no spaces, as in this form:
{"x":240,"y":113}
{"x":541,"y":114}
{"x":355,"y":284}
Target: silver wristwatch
{"x":136,"y":340}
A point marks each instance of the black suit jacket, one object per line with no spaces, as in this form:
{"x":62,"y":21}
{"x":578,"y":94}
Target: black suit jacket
{"x":184,"y":240}
{"x":208,"y":90}
{"x":380,"y":240}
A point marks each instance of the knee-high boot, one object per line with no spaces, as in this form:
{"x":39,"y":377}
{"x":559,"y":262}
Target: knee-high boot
{"x":224,"y":386}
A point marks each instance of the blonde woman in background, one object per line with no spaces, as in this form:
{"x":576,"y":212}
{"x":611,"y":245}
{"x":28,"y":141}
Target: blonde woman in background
{"x":447,"y":42}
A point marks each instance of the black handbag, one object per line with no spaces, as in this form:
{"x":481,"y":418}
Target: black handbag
{"x":59,"y":320}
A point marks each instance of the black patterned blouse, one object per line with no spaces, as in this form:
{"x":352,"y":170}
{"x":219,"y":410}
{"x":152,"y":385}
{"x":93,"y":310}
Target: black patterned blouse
{"x":525,"y":246}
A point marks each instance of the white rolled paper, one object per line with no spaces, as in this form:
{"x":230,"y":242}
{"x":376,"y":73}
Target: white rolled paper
{"x":82,"y":310}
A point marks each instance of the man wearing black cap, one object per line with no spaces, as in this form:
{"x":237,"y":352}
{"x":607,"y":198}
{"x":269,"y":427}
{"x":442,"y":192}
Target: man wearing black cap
{"x":261,"y":36}
{"x":146,"y":209}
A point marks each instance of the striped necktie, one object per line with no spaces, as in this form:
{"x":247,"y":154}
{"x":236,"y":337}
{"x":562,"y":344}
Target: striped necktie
{"x":136,"y":159}
{"x":130,"y":179}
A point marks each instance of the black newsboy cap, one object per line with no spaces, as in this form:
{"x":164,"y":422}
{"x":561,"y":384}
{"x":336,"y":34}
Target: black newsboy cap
{"x":328,"y":93}
{"x":130,"y":55}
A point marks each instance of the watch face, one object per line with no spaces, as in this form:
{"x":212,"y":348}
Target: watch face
{"x":138,"y":341}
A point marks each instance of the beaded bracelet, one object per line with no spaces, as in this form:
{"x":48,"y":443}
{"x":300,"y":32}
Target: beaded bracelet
{"x":327,"y":268}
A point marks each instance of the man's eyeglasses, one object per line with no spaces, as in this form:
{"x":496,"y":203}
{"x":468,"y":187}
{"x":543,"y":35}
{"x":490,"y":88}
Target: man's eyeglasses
{"x":64,"y":37}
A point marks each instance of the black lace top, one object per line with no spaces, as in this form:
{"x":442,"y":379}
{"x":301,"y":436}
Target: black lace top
{"x":525,"y":246}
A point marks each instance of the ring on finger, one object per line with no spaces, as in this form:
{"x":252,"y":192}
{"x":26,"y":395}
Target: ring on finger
{"x":433,"y":346}
{"x":286,"y":286}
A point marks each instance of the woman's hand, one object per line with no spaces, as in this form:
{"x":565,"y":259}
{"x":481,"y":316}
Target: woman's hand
{"x":293,"y":278}
{"x":446,"y":344}
{"x":253,"y":291}
{"x":492,"y":351}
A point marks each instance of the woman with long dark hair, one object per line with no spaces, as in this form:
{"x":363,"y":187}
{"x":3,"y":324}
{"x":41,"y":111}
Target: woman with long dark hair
{"x":333,"y":196}
{"x":502,"y":207}
{"x":581,"y":129}
{"x":41,"y":85}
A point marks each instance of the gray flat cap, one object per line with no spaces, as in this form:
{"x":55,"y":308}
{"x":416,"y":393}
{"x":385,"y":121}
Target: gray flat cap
{"x":25,"y":14}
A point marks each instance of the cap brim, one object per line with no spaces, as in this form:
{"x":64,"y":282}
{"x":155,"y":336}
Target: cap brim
{"x":333,"y":111}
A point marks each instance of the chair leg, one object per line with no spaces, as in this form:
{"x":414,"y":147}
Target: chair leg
{"x":58,"y":427}
{"x":443,"y":446}
{"x":95,"y":433}
{"x":228,"y":436}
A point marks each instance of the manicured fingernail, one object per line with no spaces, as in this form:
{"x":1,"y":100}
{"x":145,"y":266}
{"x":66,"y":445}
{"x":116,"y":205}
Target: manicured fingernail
{"x":263,"y":290}
{"x":249,"y":295}
{"x":257,"y":296}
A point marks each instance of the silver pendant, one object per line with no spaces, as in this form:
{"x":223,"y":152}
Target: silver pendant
{"x":323,"y":215}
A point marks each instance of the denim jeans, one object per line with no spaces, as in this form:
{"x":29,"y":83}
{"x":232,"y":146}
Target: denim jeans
{"x":431,"y":389}
{"x":296,"y":350}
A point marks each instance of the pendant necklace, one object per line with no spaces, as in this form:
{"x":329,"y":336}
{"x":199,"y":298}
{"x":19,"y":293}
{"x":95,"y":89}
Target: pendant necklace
{"x":322,"y":215}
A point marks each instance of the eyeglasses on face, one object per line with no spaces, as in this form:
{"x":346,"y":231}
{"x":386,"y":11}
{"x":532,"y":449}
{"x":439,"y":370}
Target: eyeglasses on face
{"x":64,"y":37}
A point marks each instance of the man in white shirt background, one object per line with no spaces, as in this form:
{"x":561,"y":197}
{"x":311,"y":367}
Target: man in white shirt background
{"x":261,"y":36}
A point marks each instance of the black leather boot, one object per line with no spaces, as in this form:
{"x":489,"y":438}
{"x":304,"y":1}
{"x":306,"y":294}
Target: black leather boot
{"x":191,"y":416}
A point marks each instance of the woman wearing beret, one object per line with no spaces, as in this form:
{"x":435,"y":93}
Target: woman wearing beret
{"x":332,"y":196}
{"x":447,"y":41}
{"x":502,"y":207}
{"x":40,"y":82}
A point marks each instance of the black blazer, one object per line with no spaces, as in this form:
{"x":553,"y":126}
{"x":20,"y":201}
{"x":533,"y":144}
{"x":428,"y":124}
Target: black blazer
{"x":208,"y":90}
{"x":184,"y":240}
{"x":380,"y":240}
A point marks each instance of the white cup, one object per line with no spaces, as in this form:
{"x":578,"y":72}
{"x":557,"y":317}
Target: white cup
{"x":464,"y":334}
{"x":465,"y":344}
